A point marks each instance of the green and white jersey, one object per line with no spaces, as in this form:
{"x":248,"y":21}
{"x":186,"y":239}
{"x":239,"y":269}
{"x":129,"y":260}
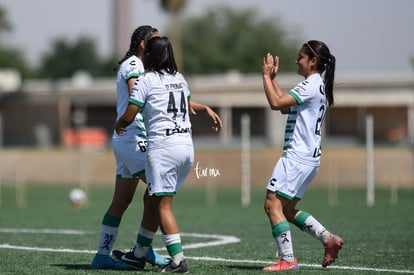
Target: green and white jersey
{"x":304,"y":122}
{"x":130,"y":68}
{"x":164,"y":102}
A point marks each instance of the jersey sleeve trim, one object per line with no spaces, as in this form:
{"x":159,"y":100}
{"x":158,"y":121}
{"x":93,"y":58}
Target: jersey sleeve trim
{"x":133,"y":75}
{"x":136,"y":102}
{"x":296,"y":97}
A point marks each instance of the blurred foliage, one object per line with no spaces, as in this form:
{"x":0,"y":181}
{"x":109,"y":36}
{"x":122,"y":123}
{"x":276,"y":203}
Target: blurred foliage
{"x":172,"y":6}
{"x":223,"y":40}
{"x":14,"y":58}
{"x":219,"y":41}
{"x":4,"y":23}
{"x":11,"y":57}
{"x":66,"y":58}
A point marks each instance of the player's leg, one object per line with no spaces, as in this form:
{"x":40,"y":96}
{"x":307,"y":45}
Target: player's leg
{"x":142,"y":251}
{"x":178,"y":169}
{"x":307,"y":223}
{"x":279,"y":194}
{"x":150,"y":221}
{"x":122,"y":197}
{"x":171,"y":236}
{"x":332,"y":243}
{"x":129,"y":165}
{"x":281,"y":232}
{"x":146,"y":233}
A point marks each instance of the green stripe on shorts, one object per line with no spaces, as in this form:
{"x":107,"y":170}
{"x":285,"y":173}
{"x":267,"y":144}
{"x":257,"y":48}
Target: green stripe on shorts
{"x":165,"y":194}
{"x":283,"y":195}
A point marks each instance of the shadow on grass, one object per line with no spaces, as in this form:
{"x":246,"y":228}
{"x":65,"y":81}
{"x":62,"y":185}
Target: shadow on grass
{"x":245,"y":267}
{"x":73,"y":266}
{"x":85,"y":267}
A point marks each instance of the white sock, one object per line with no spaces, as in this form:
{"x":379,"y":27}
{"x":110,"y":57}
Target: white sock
{"x":140,"y":249}
{"x":177,"y":258}
{"x":107,"y":239}
{"x":285,"y":247}
{"x":317,"y":230}
{"x":174,"y":247}
{"x":146,"y":233}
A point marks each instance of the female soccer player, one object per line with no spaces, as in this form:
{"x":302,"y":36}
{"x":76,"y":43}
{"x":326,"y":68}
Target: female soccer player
{"x":130,"y":155}
{"x":163,"y":96}
{"x":306,"y":106}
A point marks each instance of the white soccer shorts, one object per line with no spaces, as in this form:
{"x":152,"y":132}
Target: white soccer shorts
{"x":167,"y":168}
{"x":290,"y":178}
{"x":130,"y":156}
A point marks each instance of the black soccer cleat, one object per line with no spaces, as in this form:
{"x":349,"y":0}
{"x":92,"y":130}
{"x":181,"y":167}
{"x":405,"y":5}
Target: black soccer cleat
{"x":174,"y":268}
{"x":129,"y":259}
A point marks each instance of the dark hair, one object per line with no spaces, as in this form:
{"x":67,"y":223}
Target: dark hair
{"x":159,"y":56}
{"x":326,"y":64}
{"x":141,"y":33}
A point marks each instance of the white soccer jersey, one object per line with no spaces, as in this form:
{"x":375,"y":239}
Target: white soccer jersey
{"x":164,"y":102}
{"x":304,"y":122}
{"x":131,"y":67}
{"x":129,"y":150}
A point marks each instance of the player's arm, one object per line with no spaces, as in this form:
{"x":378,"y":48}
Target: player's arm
{"x":195,"y":106}
{"x":131,"y":83}
{"x":276,"y":86}
{"x":274,"y":94}
{"x":126,"y":119}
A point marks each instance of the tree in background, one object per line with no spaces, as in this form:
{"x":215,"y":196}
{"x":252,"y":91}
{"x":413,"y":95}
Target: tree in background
{"x":4,"y":23}
{"x":11,"y":58}
{"x":66,"y":58}
{"x":223,"y":40}
{"x":174,"y":7}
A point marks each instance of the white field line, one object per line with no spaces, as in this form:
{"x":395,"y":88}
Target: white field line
{"x":356,"y":268}
{"x":46,"y":249}
{"x":44,"y":231}
{"x":220,"y":240}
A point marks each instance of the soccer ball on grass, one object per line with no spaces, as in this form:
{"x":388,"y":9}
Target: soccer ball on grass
{"x":77,"y":197}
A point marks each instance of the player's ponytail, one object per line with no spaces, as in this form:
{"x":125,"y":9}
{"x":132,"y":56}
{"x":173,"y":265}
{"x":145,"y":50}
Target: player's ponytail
{"x":325,"y":66}
{"x":140,"y":33}
{"x":329,"y":79}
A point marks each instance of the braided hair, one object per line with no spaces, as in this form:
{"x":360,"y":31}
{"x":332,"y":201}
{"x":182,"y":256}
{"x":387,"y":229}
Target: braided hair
{"x":326,"y":64}
{"x":141,"y":33}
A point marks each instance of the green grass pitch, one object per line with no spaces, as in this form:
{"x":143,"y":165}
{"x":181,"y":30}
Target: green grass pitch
{"x":40,"y":233}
